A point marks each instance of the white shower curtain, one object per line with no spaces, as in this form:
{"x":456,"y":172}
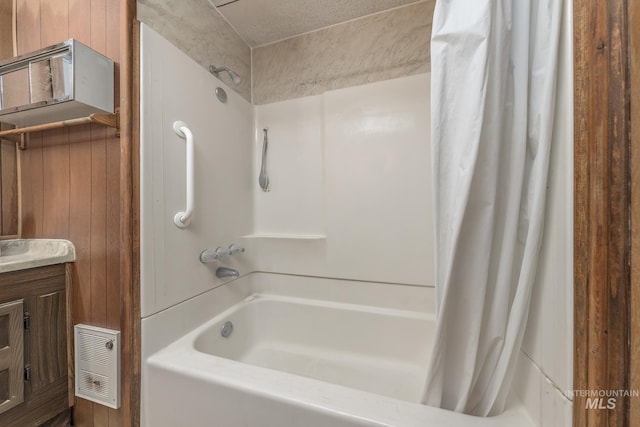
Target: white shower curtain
{"x":493,"y":96}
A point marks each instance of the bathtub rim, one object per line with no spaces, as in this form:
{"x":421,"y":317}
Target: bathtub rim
{"x":181,"y":323}
{"x":180,"y":358}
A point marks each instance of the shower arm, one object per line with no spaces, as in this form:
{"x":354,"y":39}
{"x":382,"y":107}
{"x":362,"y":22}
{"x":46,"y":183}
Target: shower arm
{"x":235,"y":77}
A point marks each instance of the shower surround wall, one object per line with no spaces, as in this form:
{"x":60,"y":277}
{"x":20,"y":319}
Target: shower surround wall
{"x":200,"y":32}
{"x":334,"y":209}
{"x":175,"y":88}
{"x":383,"y":46}
{"x":545,"y":368}
{"x":347,"y":109}
{"x":350,"y":177}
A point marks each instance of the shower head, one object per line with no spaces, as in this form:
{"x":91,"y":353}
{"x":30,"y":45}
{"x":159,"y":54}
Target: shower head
{"x":235,"y":78}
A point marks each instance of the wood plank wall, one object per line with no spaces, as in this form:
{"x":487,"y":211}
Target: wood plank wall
{"x":8,"y":164}
{"x":6,"y":29}
{"x":71,"y":178}
{"x":8,"y":188}
{"x":634,"y":55}
{"x":602,"y":208}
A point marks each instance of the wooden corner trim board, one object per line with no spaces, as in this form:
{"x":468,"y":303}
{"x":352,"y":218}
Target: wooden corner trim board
{"x":604,"y":129}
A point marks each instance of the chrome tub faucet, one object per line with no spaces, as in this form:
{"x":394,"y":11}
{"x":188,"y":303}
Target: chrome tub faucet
{"x":209,"y":255}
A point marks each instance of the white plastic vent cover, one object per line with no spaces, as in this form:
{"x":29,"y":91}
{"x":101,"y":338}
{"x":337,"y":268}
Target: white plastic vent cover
{"x":97,"y":354}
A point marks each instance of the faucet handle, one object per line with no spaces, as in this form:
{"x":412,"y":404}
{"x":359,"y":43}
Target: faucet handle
{"x":208,"y":255}
{"x":234,"y":249}
{"x":222,"y":252}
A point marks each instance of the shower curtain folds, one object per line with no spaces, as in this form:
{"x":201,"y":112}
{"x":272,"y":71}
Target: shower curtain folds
{"x":493,"y":94}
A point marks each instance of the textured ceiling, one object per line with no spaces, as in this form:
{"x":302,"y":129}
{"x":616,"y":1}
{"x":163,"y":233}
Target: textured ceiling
{"x":261,"y":22}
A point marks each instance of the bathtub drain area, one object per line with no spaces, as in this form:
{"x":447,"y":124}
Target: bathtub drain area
{"x":387,"y":377}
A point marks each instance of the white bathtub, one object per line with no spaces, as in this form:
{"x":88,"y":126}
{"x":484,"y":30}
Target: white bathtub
{"x":303,"y":352}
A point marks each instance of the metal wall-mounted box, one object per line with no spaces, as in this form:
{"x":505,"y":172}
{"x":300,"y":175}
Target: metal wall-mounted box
{"x":97,"y":364}
{"x":64,"y":81}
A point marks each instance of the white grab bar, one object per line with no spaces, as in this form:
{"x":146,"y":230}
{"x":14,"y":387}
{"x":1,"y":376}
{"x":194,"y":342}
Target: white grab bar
{"x":181,"y":219}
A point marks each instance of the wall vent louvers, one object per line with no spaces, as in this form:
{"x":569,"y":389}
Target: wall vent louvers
{"x":97,"y":354}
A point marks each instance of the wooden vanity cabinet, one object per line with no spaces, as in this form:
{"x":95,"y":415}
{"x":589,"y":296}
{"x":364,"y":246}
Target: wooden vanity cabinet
{"x":34,"y":306}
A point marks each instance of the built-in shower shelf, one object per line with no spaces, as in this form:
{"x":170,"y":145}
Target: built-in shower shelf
{"x":285,"y":236}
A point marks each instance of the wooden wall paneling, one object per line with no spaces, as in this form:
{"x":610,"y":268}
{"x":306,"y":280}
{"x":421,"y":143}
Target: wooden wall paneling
{"x":602,"y":235}
{"x":87,"y":178}
{"x":54,"y":15}
{"x":28,"y":39}
{"x":99,"y":186}
{"x":100,"y":416}
{"x":6,"y":29}
{"x":98,"y":18}
{"x":634,"y":78}
{"x":581,"y":255}
{"x":79,"y":25}
{"x":80,"y":182}
{"x":114,"y":292}
{"x":82,"y":414}
{"x":2,"y":172}
{"x":9,"y":222}
{"x":79,"y":225}
{"x":55,"y":147}
{"x":80,"y":219}
{"x":8,"y":187}
{"x":619,"y":236}
{"x":55,"y":192}
{"x":98,"y":227}
{"x":113,"y":299}
{"x":130,"y":210}
{"x":32,"y":182}
{"x":80,"y":204}
{"x":2,"y":179}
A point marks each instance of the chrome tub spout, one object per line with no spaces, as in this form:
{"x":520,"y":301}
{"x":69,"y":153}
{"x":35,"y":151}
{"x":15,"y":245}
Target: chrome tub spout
{"x":223,"y":272}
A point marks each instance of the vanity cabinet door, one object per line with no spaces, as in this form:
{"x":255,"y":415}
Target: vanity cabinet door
{"x":47,"y":338}
{"x":11,"y":355}
{"x":43,"y":323}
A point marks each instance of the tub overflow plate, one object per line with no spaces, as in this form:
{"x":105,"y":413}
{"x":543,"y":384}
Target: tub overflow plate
{"x":227,"y":329}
